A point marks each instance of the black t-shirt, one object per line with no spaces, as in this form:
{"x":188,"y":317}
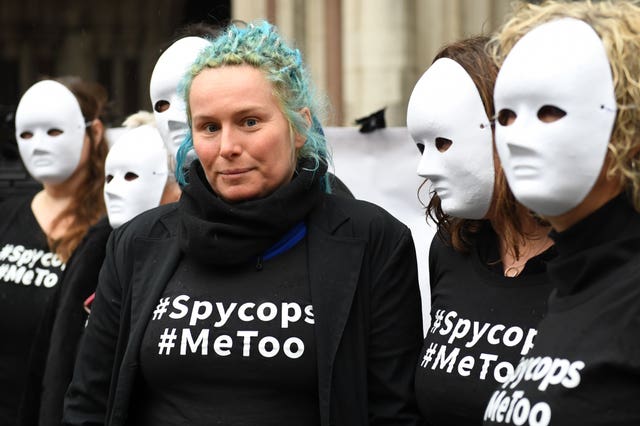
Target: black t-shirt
{"x":585,"y":366}
{"x":29,"y":276}
{"x":481,"y":325}
{"x":232,"y":346}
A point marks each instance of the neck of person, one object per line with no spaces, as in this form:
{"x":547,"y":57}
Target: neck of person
{"x":603,"y":191}
{"x":52,"y":200}
{"x":535,"y":240}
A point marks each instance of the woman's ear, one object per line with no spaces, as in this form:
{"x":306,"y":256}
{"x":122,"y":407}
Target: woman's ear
{"x":301,"y":139}
{"x":97,"y":130}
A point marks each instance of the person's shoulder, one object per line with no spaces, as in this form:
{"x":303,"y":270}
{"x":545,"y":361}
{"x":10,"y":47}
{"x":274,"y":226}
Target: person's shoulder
{"x":100,"y":228}
{"x":441,"y":242}
{"x":359,"y":207}
{"x":14,"y":203}
{"x":16,"y":211}
{"x":158,"y":222}
{"x":96,"y":236}
{"x":363,"y":215}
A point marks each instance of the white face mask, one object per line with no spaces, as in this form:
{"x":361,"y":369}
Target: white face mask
{"x":136,"y":173}
{"x":446,"y":116}
{"x":50,"y":131}
{"x":168,"y":106}
{"x":559,"y":67}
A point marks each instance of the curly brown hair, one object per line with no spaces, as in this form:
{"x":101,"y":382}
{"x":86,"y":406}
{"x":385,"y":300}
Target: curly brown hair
{"x":470,"y":53}
{"x":87,"y":205}
{"x":618,"y":25}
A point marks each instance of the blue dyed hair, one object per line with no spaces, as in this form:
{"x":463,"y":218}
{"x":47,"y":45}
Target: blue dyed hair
{"x":261,"y":46}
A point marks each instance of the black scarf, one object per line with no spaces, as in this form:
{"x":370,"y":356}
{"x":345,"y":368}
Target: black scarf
{"x":219,"y":233}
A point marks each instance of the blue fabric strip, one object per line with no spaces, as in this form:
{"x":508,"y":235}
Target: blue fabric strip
{"x":289,"y":240}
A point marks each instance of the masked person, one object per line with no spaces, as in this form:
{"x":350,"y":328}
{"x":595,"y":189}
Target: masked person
{"x":136,"y":174}
{"x":62,"y":145}
{"x":169,"y":108}
{"x":487,"y":263}
{"x":258,"y":298}
{"x":568,"y":142}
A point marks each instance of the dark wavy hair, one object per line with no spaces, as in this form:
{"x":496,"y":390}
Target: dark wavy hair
{"x":87,"y":206}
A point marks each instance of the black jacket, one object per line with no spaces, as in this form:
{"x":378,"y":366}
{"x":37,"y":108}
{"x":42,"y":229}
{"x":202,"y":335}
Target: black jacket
{"x":586,"y":358}
{"x":364,"y":290}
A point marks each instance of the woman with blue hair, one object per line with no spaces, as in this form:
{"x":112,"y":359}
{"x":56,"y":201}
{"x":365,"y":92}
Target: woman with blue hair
{"x":259,"y":298}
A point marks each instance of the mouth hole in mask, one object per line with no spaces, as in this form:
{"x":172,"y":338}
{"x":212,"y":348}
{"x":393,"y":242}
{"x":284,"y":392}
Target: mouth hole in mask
{"x":54,"y":132}
{"x":129,"y":176}
{"x":161,"y":106}
{"x":443,"y":144}
{"x":420,"y":147}
{"x":550,"y":113}
{"x":108,"y":178}
{"x":506,"y":117}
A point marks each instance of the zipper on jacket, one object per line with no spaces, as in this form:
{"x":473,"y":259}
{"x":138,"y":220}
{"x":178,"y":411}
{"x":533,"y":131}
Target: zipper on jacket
{"x":259,"y":264}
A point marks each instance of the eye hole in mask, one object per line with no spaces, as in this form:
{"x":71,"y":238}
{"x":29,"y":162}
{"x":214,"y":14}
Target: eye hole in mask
{"x":54,"y":132}
{"x":26,"y":135}
{"x":108,"y":178}
{"x":161,"y":106}
{"x":130,"y":176}
{"x":443,"y":144}
{"x":550,"y":113}
{"x":506,"y":117}
{"x":420,"y":147}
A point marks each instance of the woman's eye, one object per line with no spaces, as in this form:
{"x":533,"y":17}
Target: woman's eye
{"x":506,"y":117}
{"x":211,"y":128}
{"x":26,"y":135}
{"x":129,"y":176}
{"x":161,"y":106}
{"x":251,"y":122}
{"x":550,"y":113}
{"x":443,"y":144}
{"x":54,"y":132}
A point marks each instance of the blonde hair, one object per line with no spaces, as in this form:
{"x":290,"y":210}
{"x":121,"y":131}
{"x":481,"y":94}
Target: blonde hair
{"x":618,"y":25}
{"x":138,"y":119}
{"x":142,"y":118}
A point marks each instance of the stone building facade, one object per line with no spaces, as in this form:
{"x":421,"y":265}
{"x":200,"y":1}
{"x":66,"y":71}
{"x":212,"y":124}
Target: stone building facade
{"x":364,"y":55}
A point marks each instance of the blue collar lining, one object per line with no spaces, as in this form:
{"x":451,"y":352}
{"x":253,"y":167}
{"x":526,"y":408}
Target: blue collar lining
{"x":290,"y":239}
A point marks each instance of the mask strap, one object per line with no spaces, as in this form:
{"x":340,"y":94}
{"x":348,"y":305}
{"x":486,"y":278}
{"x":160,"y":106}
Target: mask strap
{"x":489,"y":123}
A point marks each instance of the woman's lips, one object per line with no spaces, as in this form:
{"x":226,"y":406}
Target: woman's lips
{"x":234,"y":172}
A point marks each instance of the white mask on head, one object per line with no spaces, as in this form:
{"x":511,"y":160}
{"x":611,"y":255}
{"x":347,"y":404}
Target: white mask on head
{"x":136,"y":173}
{"x":552,"y":166}
{"x":447,"y":118}
{"x":168,"y":106}
{"x":50,"y":131}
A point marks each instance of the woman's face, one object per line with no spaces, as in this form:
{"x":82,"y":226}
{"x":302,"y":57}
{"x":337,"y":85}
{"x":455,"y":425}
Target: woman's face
{"x":50,"y":131}
{"x":446,"y":118}
{"x":240,"y":133}
{"x":135,"y":174}
{"x":554,"y":124}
